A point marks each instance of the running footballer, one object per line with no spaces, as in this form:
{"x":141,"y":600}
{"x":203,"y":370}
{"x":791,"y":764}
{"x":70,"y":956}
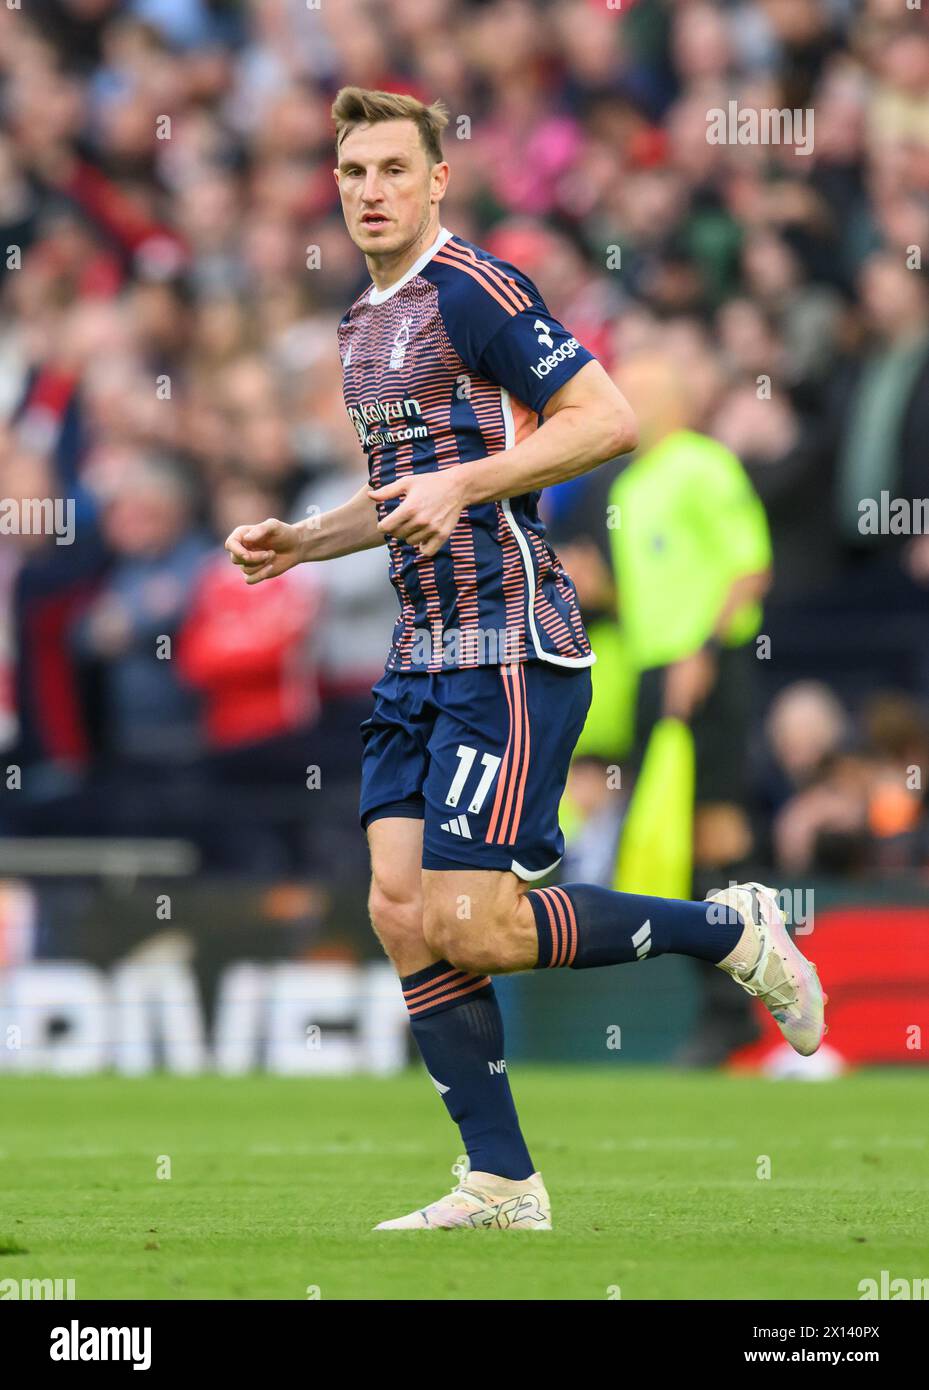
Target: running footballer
{"x":469,"y":398}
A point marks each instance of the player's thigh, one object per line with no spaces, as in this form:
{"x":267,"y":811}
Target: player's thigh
{"x":475,"y":919}
{"x":499,"y":754}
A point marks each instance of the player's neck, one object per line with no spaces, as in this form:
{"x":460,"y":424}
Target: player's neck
{"x":385,"y":271}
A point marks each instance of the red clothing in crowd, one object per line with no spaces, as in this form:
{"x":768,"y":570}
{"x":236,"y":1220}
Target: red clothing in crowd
{"x":247,"y":649}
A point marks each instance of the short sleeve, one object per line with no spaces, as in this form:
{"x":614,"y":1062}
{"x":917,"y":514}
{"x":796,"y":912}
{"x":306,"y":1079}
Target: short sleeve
{"x":502,"y":329}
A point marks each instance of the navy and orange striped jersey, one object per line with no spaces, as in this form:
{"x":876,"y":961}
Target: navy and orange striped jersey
{"x":455,"y":362}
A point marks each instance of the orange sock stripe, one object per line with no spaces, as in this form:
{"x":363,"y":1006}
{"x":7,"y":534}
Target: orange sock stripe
{"x":556,"y":934}
{"x":563,"y":923}
{"x":429,"y":986}
{"x":476,"y":983}
{"x":571,"y":949}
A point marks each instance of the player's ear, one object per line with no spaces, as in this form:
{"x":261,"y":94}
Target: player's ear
{"x":439,"y":180}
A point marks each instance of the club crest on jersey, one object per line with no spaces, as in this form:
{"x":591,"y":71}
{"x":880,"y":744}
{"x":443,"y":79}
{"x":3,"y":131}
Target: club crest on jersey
{"x":401,"y":341}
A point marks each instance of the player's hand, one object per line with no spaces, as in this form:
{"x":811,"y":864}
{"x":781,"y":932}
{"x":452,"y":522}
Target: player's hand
{"x":429,"y":512}
{"x":266,"y":550}
{"x":688,"y":683}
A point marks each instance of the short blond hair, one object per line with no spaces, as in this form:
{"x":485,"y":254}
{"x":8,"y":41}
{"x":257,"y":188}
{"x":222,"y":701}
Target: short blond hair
{"x":359,"y":106}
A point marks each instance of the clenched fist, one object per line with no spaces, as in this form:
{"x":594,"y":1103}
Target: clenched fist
{"x":266,"y":550}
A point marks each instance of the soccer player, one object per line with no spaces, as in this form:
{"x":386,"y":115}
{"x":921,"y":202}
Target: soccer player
{"x":468,"y":398}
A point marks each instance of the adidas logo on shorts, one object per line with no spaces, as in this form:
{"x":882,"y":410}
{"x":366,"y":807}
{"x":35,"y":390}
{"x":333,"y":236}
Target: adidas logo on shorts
{"x":458,"y":826}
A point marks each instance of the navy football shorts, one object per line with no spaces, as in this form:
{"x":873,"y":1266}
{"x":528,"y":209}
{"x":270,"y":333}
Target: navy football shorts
{"x":479,"y":755}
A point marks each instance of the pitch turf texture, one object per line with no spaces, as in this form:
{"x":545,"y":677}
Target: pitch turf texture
{"x":275,"y":1183}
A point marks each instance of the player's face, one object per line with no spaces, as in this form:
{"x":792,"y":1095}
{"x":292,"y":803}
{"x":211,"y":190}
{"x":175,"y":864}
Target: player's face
{"x":389,"y":189}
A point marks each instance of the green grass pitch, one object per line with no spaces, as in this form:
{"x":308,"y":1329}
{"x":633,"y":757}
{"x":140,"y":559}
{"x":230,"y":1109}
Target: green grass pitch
{"x":275,"y":1183}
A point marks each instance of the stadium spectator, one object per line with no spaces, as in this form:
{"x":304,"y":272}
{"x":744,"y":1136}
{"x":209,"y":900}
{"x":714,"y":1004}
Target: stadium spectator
{"x":684,"y":507}
{"x":173,"y":267}
{"x":255,"y":667}
{"x":249,"y":658}
{"x":126,"y":636}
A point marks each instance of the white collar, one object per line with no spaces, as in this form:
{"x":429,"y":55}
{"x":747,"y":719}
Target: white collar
{"x":378,"y":296}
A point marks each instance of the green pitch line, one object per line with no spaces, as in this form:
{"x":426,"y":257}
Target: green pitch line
{"x":276,"y":1182}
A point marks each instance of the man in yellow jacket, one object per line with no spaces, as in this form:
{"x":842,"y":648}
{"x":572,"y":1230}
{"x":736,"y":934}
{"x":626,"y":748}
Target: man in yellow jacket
{"x":690,"y":557}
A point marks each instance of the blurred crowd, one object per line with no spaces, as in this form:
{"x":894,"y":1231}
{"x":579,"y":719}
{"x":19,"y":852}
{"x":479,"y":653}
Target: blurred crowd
{"x":175,"y":266}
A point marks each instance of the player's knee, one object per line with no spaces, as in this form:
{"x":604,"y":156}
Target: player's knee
{"x":456,"y":939}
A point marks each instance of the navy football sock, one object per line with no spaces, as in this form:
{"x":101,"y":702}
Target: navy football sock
{"x":458,"y":1028}
{"x":581,"y":925}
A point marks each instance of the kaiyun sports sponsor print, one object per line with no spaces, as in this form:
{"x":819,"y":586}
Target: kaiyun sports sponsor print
{"x":379,"y":413}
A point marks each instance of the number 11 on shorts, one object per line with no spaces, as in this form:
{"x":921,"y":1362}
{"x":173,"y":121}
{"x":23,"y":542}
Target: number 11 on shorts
{"x":466,"y":756}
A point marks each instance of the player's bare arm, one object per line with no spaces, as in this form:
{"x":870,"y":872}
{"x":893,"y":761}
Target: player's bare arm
{"x":587,"y":421}
{"x":271,"y":547}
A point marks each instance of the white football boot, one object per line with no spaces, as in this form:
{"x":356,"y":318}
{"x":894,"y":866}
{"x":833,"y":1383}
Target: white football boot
{"x":483,"y":1201}
{"x":776,"y":972}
